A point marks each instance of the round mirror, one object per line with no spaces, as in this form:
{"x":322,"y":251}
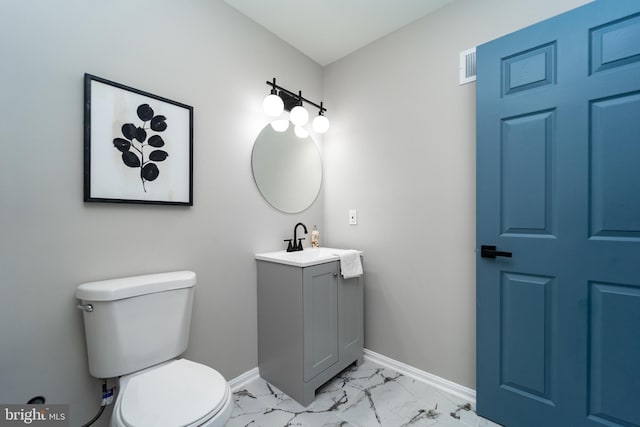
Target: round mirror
{"x":287,"y":169}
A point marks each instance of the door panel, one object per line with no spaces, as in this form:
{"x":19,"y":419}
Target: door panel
{"x":350,"y":317}
{"x":529,"y":69}
{"x":320,"y":300}
{"x":527,"y":166}
{"x":615,"y":44}
{"x":558,"y":186}
{"x":614,"y":352}
{"x":525,"y":336}
{"x":615,"y":172}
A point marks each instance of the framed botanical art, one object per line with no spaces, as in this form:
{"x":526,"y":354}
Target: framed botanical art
{"x":138,"y":147}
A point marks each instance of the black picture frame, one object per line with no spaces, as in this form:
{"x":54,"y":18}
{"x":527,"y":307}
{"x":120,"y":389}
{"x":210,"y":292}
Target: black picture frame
{"x":138,"y":147}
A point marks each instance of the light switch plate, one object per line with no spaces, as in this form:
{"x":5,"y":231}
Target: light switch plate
{"x":353,"y":217}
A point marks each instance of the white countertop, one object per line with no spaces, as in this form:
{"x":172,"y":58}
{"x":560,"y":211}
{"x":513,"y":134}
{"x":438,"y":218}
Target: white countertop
{"x":304,"y":258}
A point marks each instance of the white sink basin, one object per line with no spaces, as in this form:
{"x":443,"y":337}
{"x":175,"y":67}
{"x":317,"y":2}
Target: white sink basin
{"x":305,"y":258}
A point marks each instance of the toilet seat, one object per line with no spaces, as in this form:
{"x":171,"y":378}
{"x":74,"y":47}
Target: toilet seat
{"x":180,"y":393}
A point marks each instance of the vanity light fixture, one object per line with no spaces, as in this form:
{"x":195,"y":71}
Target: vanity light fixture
{"x":273,"y":105}
{"x":300,"y":131}
{"x":320,"y":122}
{"x":298,"y":115}
{"x":281,"y":124}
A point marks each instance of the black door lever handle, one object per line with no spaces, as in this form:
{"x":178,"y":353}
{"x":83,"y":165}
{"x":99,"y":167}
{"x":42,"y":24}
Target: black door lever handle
{"x":491,"y":252}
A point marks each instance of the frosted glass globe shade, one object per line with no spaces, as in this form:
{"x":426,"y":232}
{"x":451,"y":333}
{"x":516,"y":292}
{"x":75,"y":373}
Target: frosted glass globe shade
{"x":299,"y":116}
{"x":301,"y":132}
{"x":280,"y":125}
{"x":273,"y":105}
{"x":320,"y":124}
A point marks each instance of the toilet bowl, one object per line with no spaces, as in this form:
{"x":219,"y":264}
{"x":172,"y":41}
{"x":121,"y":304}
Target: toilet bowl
{"x":179,"y":393}
{"x":135,"y":327}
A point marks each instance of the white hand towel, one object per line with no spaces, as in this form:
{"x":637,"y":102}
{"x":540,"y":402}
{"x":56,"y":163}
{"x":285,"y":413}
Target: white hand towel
{"x":350,"y":264}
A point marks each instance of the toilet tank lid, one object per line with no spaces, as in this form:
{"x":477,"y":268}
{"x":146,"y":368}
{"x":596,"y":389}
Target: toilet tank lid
{"x":127,"y":287}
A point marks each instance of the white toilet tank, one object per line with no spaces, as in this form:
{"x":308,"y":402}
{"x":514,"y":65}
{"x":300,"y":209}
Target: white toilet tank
{"x":136,"y":322}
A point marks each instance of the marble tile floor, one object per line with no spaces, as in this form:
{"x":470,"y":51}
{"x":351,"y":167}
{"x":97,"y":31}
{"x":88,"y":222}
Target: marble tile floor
{"x":367,"y":396}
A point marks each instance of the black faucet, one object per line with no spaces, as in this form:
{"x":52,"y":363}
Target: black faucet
{"x":296,"y":246}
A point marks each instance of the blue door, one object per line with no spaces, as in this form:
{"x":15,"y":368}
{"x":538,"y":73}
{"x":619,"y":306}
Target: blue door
{"x":558,"y":221}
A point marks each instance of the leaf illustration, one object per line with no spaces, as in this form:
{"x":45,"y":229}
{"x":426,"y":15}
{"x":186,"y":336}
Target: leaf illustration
{"x":122,"y":144}
{"x":145,"y":112}
{"x":130,"y":159}
{"x":150,"y":171}
{"x":156,"y":141}
{"x":158,"y":155}
{"x":158,"y":123}
{"x":129,"y":130}
{"x":141,"y":134}
{"x":133,"y":145}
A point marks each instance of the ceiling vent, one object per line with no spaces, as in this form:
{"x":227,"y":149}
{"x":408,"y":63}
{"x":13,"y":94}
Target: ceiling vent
{"x":468,"y":66}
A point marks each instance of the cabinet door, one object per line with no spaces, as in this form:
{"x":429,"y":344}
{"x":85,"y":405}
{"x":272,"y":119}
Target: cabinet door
{"x":320,"y":300}
{"x":350,"y":318}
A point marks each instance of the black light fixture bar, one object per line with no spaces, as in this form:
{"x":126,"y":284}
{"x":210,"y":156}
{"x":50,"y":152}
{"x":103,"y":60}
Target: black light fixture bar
{"x":296,"y":96}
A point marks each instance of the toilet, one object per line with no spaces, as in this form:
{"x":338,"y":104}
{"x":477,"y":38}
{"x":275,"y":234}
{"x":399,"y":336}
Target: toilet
{"x":135,"y":328}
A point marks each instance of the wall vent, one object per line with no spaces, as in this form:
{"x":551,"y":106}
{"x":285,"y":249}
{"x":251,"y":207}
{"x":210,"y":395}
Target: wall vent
{"x":468,"y":66}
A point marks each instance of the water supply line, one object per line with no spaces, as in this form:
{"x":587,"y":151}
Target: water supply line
{"x":107,"y":399}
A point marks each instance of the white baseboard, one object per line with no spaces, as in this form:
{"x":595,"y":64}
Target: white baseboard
{"x":243,"y":379}
{"x":447,"y":386}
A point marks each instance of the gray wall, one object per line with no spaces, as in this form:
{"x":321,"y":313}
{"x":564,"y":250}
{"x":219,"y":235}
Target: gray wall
{"x":199,"y":52}
{"x":401,"y":150}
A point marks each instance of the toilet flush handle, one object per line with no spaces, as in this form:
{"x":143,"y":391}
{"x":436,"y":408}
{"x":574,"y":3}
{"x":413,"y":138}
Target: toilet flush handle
{"x":85,"y":307}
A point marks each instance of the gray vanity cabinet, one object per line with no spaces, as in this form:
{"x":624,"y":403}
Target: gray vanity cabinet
{"x":320,"y":318}
{"x":310,"y":325}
